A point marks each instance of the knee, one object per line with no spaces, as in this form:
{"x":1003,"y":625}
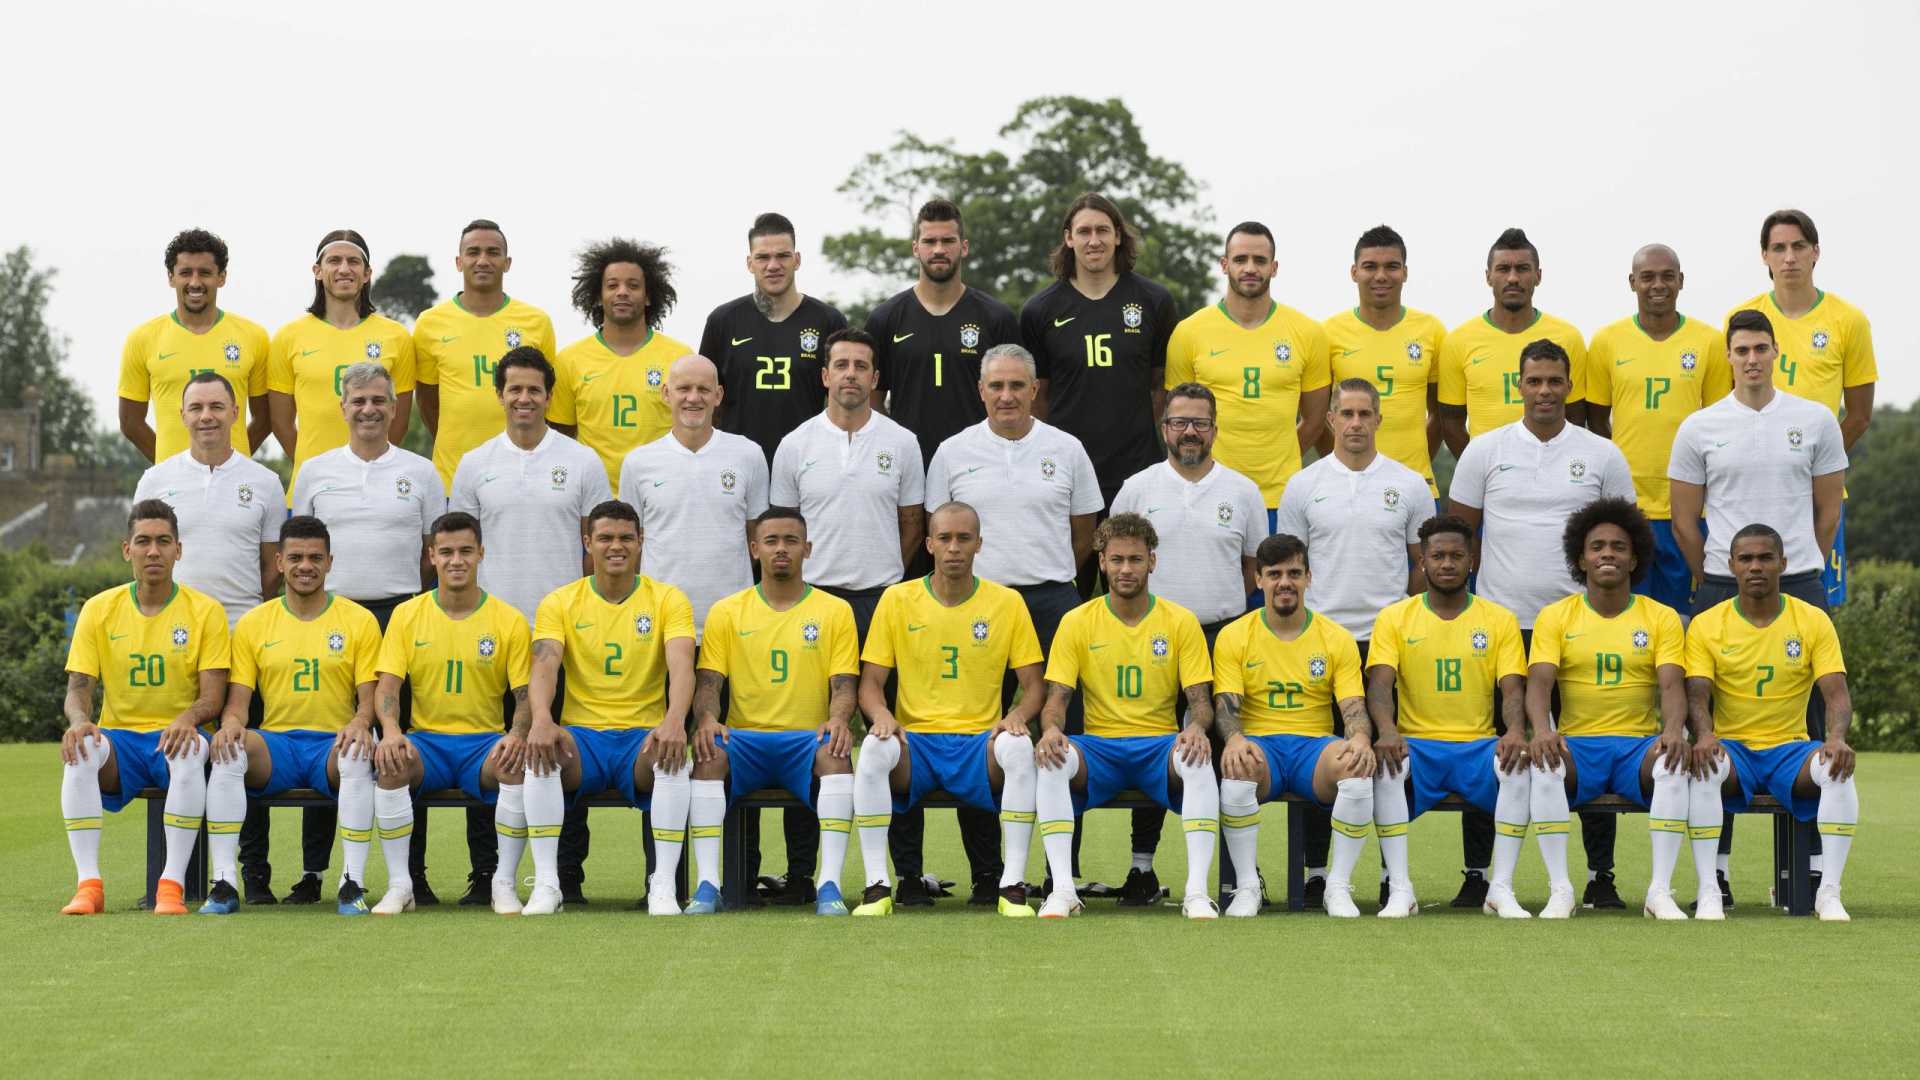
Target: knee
{"x":1358,"y":788}
{"x":195,"y":756}
{"x":825,"y":764}
{"x":1013,"y":752}
{"x":354,"y":767}
{"x":1665,"y":774}
{"x":714,"y":768}
{"x":1193,"y":772}
{"x":234,"y":765}
{"x":1821,"y":772}
{"x":878,"y":755}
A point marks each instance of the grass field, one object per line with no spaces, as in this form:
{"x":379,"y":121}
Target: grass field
{"x":956,"y":991}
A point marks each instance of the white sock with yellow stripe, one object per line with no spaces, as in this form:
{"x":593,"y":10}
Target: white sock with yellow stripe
{"x":1510,"y":813}
{"x":1200,"y":819}
{"x":1390,"y":817}
{"x":186,"y":804}
{"x":80,"y":805}
{"x":1240,"y":826}
{"x":393,"y":811}
{"x":1666,"y":823}
{"x":1705,"y":812}
{"x":546,"y":810}
{"x":669,"y":809}
{"x":1053,"y":805}
{"x":873,"y":803}
{"x":706,"y":819}
{"x":835,"y":808}
{"x":1352,"y":817}
{"x":1014,"y":753}
{"x":510,"y":825}
{"x":356,"y":815}
{"x":1547,"y":791}
{"x":1839,"y":813}
{"x":226,"y":812}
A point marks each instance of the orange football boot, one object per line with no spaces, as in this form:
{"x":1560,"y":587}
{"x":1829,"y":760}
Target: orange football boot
{"x":89,"y":899}
{"x":169,"y":898}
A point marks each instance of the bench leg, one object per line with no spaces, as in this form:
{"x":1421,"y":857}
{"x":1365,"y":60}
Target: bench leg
{"x":1800,"y":887}
{"x":1296,"y":856}
{"x":733,"y":858}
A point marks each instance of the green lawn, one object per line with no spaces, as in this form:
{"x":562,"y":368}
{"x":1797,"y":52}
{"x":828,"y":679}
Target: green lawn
{"x":955,"y":991}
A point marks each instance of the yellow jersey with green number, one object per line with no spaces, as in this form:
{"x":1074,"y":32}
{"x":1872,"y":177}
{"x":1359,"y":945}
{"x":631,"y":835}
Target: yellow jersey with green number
{"x":460,"y":669}
{"x":1480,"y":367}
{"x":306,"y":360}
{"x":1609,"y":668}
{"x":456,"y":351}
{"x":1447,"y":669}
{"x":618,"y":402}
{"x":614,"y":654}
{"x":161,"y":355}
{"x":148,"y":666}
{"x":1129,"y":676}
{"x":1286,"y":687}
{"x":1400,"y":362}
{"x":1650,"y":386}
{"x":307,"y":672}
{"x":1762,"y":676}
{"x":779,"y":664}
{"x":1822,"y":352}
{"x":950,"y":660}
{"x":1257,"y":377}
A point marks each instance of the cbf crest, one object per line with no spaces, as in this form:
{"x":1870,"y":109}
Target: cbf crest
{"x":231,"y":351}
{"x":1414,"y":351}
{"x":884,"y":460}
{"x":728,"y":478}
{"x":1793,"y":648}
{"x":653,"y":378}
{"x":1133,"y":315}
{"x":1479,"y":640}
{"x":810,"y":633}
{"x":373,"y":350}
{"x":980,"y":629}
{"x":244,"y":493}
{"x":1047,"y":468}
{"x":1283,"y":351}
{"x":1577,"y":469}
{"x":969,"y":337}
{"x":1390,"y":497}
{"x":180,"y":637}
{"x":1316,"y":667}
{"x":1160,"y":647}
{"x":403,"y":486}
{"x":1641,"y":638}
{"x":1820,"y":339}
{"x":1224,"y":513}
{"x":1688,"y":361}
{"x":809,"y":340}
{"x":559,"y":475}
{"x":643,"y":624}
{"x":488,"y":646}
{"x":513,"y":339}
{"x":336,"y":642}
{"x":1795,"y":437}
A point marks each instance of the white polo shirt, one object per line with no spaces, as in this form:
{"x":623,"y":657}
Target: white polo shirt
{"x":694,"y":506}
{"x":850,"y":488}
{"x":1206,"y":527}
{"x":1526,"y":489}
{"x":1025,"y":491}
{"x":530,"y":504}
{"x":225,"y":514}
{"x":1758,"y":466}
{"x":376,"y":513}
{"x":1357,"y":526}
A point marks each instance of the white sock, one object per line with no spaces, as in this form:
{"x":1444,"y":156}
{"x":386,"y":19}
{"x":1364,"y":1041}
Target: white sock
{"x":1390,"y":823}
{"x":706,"y":817}
{"x":1723,"y":861}
{"x":393,"y":809}
{"x":1240,"y":827}
{"x":1017,"y":801}
{"x":546,"y":809}
{"x":1053,"y":805}
{"x":356,"y":815}
{"x":1666,"y":823}
{"x":226,"y":812}
{"x":510,"y":824}
{"x":1200,"y":818}
{"x":1839,"y":813}
{"x":1352,"y":815}
{"x":1318,"y":871}
{"x":670,"y":794}
{"x":1547,"y":790}
{"x":186,"y":806}
{"x":835,"y":808}
{"x":1143,"y":861}
{"x":1510,"y":813}
{"x":873,"y":803}
{"x":80,"y":805}
{"x":1705,"y":812}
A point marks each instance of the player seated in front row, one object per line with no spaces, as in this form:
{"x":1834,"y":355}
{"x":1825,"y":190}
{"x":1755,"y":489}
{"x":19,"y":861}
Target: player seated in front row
{"x":952,"y":638}
{"x":1130,"y":654}
{"x":462,"y":651}
{"x":158,"y":653}
{"x":788,"y":657}
{"x":311,"y":657}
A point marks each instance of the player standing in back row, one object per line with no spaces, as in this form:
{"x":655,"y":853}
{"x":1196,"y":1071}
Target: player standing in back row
{"x":1480,"y":359}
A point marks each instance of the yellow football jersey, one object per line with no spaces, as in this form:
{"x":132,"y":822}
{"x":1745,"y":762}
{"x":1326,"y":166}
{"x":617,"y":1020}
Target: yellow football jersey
{"x":619,"y":402}
{"x":1257,"y":377}
{"x":778,"y":663}
{"x":306,"y":360}
{"x":1480,"y":368}
{"x":1762,"y":676}
{"x":1447,"y":669}
{"x":1822,"y":352}
{"x":307,"y":673}
{"x":614,"y":655}
{"x":456,"y":351}
{"x":460,"y":669}
{"x":1400,"y":363}
{"x":1651,"y":386}
{"x":1286,"y":687}
{"x":161,"y":355}
{"x":1129,"y":676}
{"x":950,"y":660}
{"x":148,"y":666}
{"x":1609,"y":669}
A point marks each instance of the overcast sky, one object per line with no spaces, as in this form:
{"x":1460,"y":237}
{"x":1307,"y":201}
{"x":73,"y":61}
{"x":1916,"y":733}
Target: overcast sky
{"x":1597,"y":127}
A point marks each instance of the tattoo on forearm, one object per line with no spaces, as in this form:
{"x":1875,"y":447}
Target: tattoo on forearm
{"x":1200,"y":704}
{"x":1353,"y":713}
{"x":706,"y":695}
{"x":79,"y":703}
{"x":1699,"y":709}
{"x":841,"y":693}
{"x":1226,"y":715}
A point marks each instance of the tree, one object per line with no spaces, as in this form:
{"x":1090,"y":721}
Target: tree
{"x":1883,"y":481}
{"x":1012,"y":198}
{"x":405,"y":288}
{"x":32,"y":354}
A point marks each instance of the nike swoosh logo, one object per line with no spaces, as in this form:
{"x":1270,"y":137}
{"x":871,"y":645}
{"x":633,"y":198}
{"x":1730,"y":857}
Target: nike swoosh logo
{"x":166,"y":355}
{"x":659,"y":483}
{"x":308,"y":352}
{"x":1344,"y":353}
{"x":271,"y":644}
{"x":115,"y":637}
{"x":1251,"y":664}
{"x":489,"y":478}
{"x":1415,"y":640}
{"x":810,"y":464}
{"x":898,"y":338}
{"x":583,"y":626}
{"x":1719,"y":444}
{"x":585,"y":379}
{"x":912,"y":628}
{"x":1321,"y":498}
{"x":421,"y":644}
{"x":971,"y":469}
{"x":740,"y":340}
{"x":1725,"y":649}
{"x":1100,"y":645}
{"x":1503,"y":468}
{"x":1570,"y":637}
{"x":1065,"y":321}
{"x":1477,"y":359}
{"x":746,"y":633}
{"x":1153,"y":509}
{"x":1215,"y":352}
{"x":444,"y":340}
{"x":1622,"y":363}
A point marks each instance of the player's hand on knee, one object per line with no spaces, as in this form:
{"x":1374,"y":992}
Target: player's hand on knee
{"x":1192,"y":745}
{"x":79,"y":743}
{"x":838,"y":738}
{"x":1707,"y":753}
{"x":1672,"y":749}
{"x":355,"y":741}
{"x":1390,"y":750}
{"x":1011,"y":725}
{"x":1839,"y":758}
{"x":231,"y":740}
{"x":509,"y":755}
{"x":1510,"y":752}
{"x":1356,"y":755}
{"x":884,"y":726}
{"x":1051,"y":751}
{"x":666,"y":745}
{"x":547,"y":746}
{"x":393,"y":757}
{"x":1238,"y":759}
{"x":179,"y":737}
{"x":704,"y":739}
{"x":1548,"y":749}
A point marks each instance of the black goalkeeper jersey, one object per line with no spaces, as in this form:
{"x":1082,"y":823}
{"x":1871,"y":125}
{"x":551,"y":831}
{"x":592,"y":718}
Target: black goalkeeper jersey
{"x":930,"y":364}
{"x":770,"y":371}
